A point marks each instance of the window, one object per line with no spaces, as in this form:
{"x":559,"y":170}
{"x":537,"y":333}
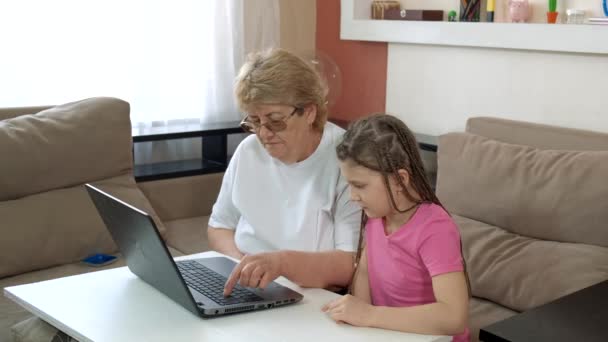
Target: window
{"x":171,"y":60}
{"x":174,"y":61}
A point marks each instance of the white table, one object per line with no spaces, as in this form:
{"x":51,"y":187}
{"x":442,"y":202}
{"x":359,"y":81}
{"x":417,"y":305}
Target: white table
{"x":115,"y":305}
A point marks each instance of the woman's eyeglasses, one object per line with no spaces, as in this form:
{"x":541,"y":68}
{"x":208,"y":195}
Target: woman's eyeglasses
{"x":276,"y":122}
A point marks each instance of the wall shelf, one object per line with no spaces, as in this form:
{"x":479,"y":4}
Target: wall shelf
{"x":354,"y":25}
{"x":214,"y":154}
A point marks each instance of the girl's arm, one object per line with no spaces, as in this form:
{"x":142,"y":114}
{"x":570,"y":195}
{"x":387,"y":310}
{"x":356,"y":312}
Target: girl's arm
{"x":361,"y":282}
{"x":448,"y":316}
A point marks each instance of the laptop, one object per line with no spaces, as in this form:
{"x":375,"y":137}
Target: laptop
{"x":198,"y":284}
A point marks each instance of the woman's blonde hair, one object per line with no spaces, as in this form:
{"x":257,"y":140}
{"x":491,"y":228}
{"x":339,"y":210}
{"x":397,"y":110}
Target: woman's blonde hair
{"x":277,"y":76}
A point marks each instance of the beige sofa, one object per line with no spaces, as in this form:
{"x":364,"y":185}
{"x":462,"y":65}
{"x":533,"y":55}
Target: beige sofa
{"x":48,"y":223}
{"x":532,"y":204}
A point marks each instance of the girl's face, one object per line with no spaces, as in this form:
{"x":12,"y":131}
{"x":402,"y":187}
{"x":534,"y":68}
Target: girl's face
{"x":367,"y":188}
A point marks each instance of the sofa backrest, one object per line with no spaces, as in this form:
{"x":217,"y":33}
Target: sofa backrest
{"x":535,"y":180}
{"x":545,"y":194}
{"x":47,"y":217}
{"x":548,"y":137}
{"x":545,"y":137}
{"x":530,"y":201}
{"x":65,"y":146}
{"x":13,"y":112}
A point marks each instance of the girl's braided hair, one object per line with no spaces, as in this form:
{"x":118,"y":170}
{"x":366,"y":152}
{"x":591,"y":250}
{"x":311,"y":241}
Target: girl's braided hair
{"x":385,"y":144}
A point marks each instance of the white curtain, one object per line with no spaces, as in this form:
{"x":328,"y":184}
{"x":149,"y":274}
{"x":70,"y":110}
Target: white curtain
{"x":262,"y":24}
{"x":174,"y":61}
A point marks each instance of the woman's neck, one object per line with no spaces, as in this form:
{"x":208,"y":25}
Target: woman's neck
{"x":311,"y":147}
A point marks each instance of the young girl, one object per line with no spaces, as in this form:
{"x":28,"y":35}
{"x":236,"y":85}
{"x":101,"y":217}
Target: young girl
{"x":409,"y":273}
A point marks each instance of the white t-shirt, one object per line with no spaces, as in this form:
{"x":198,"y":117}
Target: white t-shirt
{"x":303,"y":206}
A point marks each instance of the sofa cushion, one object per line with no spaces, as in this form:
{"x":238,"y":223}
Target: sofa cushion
{"x":64,"y":146}
{"x":47,"y":216}
{"x":546,"y":194}
{"x":60,"y":226}
{"x":483,"y":313}
{"x":11,"y":313}
{"x":188,"y":235}
{"x":521,"y":273}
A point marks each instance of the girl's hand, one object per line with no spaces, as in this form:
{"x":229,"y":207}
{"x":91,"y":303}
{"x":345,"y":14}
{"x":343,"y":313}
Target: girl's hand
{"x":349,"y":309}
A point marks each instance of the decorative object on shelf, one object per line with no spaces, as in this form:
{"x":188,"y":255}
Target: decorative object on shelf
{"x":605,"y":6}
{"x":413,"y":14}
{"x":380,"y":7}
{"x":575,"y":16}
{"x":597,"y":21}
{"x":470,"y":10}
{"x":452,"y":15}
{"x":519,"y":11}
{"x":490,"y":11}
{"x":552,"y":14}
{"x":552,"y":17}
{"x":499,"y":35}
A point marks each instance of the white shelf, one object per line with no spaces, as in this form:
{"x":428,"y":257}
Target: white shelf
{"x":544,"y":37}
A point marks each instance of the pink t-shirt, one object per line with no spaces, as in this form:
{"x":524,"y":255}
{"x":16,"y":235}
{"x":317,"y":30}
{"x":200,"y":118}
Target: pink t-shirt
{"x":400,"y":265}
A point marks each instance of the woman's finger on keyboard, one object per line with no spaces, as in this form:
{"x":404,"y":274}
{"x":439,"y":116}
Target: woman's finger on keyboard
{"x":266,"y":279}
{"x":256,"y":276}
{"x":246,"y":273}
{"x":234,"y":277}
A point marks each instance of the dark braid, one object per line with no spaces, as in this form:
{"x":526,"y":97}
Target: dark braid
{"x":351,"y":287}
{"x":385,"y":144}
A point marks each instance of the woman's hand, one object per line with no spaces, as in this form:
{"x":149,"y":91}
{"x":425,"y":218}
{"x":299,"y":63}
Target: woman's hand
{"x":255,"y":271}
{"x":349,"y":309}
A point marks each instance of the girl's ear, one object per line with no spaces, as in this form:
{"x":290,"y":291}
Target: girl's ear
{"x":405,"y":177}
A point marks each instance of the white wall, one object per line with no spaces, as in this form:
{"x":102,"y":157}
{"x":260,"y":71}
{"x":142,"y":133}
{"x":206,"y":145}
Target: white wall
{"x":434,"y":89}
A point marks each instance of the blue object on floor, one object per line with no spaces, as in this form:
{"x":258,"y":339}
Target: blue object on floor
{"x":99,"y":259}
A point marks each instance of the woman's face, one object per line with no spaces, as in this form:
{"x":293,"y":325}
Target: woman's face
{"x":290,"y":143}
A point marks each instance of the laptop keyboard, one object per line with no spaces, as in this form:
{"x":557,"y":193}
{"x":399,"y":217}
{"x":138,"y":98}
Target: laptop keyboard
{"x":211,"y":284}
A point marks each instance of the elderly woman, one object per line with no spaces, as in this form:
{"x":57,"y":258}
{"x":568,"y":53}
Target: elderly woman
{"x":284,"y":208}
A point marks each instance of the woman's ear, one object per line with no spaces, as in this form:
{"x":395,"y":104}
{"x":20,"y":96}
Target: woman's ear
{"x":310,"y":111}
